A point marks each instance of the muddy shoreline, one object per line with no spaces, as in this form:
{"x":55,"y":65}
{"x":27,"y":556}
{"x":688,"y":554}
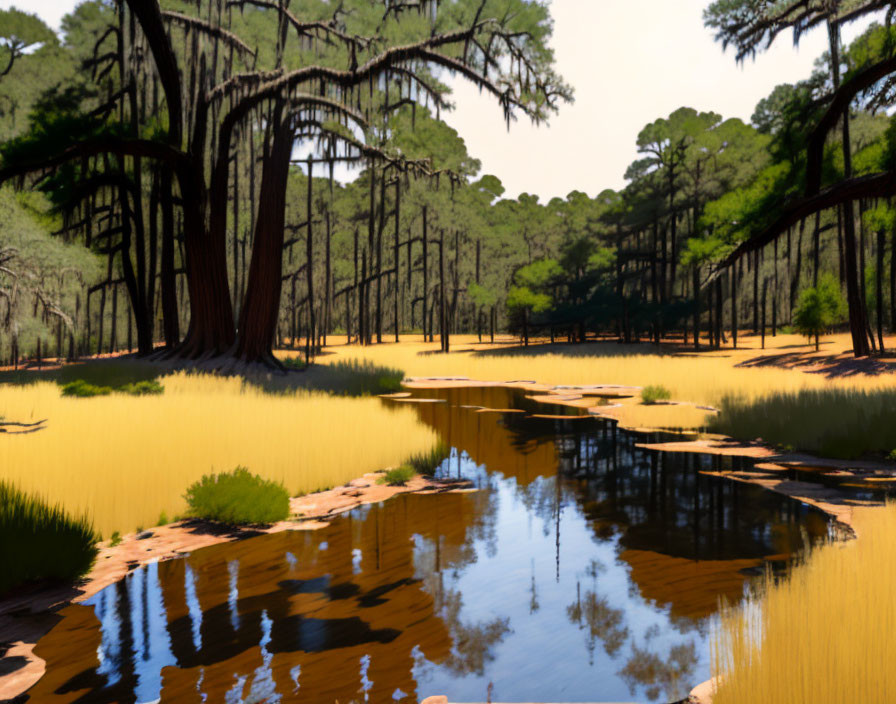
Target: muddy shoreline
{"x":26,"y":617}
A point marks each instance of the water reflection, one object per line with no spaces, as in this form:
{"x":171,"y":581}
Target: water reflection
{"x":585,"y":570}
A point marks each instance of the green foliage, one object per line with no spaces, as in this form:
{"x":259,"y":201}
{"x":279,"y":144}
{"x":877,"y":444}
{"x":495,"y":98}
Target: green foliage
{"x":839,"y":423}
{"x":142,"y":388}
{"x":655,"y":393}
{"x":294,"y":363}
{"x":38,"y":541}
{"x":238,"y":498}
{"x":426,"y":463}
{"x":84,"y":389}
{"x":163,"y":519}
{"x":115,"y":539}
{"x":398,"y":476}
{"x":819,"y":308}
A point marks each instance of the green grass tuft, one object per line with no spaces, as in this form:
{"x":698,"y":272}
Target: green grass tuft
{"x":39,"y":541}
{"x":294,"y":363}
{"x":654,"y":393}
{"x":142,"y":388}
{"x":115,"y":539}
{"x":82,"y":389}
{"x":399,"y":476}
{"x":426,"y":463}
{"x":79,"y":388}
{"x":238,"y":498}
{"x":839,"y":423}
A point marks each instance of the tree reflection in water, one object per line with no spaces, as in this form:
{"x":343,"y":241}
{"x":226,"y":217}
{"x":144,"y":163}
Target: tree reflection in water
{"x":576,"y":531}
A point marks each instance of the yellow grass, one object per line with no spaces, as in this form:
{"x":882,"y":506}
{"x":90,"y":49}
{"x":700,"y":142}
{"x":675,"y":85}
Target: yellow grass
{"x":701,"y":380}
{"x":124,"y":460}
{"x":823,"y":636}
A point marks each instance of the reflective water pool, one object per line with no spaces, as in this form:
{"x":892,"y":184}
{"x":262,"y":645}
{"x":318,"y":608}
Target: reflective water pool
{"x":584,"y":569}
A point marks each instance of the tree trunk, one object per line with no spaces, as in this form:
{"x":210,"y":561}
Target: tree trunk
{"x":696,"y":280}
{"x":258,"y":317}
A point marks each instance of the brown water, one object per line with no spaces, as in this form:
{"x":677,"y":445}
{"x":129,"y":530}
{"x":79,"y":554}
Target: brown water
{"x":586,"y":569}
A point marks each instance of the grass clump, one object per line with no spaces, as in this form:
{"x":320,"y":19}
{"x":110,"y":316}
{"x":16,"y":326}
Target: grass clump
{"x":79,"y":388}
{"x":83,"y":389}
{"x":39,"y":541}
{"x":115,"y":539}
{"x":363,"y":378}
{"x":142,"y":388}
{"x":238,"y":498}
{"x":294,"y":363}
{"x":655,"y":393}
{"x":839,"y":423}
{"x":426,"y":463}
{"x":399,"y":476}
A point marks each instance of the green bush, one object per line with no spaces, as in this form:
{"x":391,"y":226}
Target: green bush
{"x":238,"y":498}
{"x":294,"y":363}
{"x":840,"y":423}
{"x":426,"y":463}
{"x":399,"y":476}
{"x":142,"y":388}
{"x":819,"y":308}
{"x":41,"y":542}
{"x":84,"y":389}
{"x":653,"y":394}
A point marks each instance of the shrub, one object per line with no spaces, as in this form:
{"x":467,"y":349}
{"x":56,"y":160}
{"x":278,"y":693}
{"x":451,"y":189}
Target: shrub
{"x":819,"y":308}
{"x":39,"y":541}
{"x":143,"y":388}
{"x":426,"y":463}
{"x":82,"y":389}
{"x":294,"y":363}
{"x":115,"y":539}
{"x":399,"y":476}
{"x":654,"y":393}
{"x":238,"y":498}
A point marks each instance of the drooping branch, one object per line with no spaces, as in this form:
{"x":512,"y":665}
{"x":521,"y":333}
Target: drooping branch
{"x":209,"y":29}
{"x":880,"y":185}
{"x":318,"y":28}
{"x":841,"y":101}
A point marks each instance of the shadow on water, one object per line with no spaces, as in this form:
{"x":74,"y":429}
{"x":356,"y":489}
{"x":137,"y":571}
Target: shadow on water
{"x":586,"y":569}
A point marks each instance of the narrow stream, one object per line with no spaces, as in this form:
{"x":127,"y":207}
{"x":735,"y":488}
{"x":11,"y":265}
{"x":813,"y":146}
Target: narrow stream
{"x":586,"y":569}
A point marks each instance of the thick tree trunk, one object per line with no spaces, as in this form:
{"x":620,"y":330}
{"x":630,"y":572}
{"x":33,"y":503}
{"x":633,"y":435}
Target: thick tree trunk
{"x":258,"y":318}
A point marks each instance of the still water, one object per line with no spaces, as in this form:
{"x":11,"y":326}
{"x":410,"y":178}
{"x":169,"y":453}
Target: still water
{"x":584,"y":569}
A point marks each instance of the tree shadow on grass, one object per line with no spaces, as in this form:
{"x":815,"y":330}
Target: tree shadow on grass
{"x":831,"y":366}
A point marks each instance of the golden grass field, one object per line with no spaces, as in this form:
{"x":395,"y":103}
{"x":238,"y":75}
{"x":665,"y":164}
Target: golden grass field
{"x":124,"y":460}
{"x":701,"y":379}
{"x":825,"y":635}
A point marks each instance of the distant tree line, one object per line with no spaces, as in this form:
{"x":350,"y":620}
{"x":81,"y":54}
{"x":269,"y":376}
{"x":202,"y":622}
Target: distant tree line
{"x":184,"y":155}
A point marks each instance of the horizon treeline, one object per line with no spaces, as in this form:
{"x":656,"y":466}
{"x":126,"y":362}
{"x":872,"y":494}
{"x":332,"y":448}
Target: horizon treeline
{"x":99,"y":250}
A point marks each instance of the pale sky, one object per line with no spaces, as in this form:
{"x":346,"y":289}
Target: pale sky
{"x":630,"y":62}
